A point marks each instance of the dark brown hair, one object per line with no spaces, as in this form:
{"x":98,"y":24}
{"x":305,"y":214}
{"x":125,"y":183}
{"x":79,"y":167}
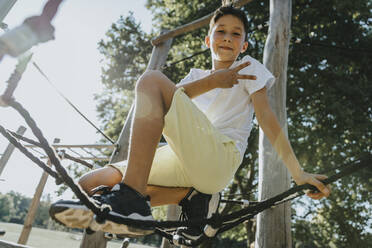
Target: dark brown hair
{"x":229,"y":10}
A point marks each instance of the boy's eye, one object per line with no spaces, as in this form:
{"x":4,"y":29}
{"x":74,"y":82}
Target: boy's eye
{"x":220,"y":31}
{"x":236,"y":34}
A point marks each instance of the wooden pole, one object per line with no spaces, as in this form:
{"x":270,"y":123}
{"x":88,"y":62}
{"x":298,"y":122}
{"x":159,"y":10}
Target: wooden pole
{"x":273,"y":225}
{"x":27,"y":226}
{"x":9,"y":150}
{"x":157,"y":60}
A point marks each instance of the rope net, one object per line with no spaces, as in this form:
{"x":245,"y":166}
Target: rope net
{"x":214,"y":225}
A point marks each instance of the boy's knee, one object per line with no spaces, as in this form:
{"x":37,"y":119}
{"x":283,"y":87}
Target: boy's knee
{"x":149,"y":78}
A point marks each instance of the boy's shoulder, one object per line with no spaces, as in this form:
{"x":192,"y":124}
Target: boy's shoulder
{"x":246,"y":58}
{"x":255,"y":66}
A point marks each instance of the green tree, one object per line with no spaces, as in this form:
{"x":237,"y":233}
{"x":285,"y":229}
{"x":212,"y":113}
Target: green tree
{"x":126,"y":49}
{"x":6,"y":207}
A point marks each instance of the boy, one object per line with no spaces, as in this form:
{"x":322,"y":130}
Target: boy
{"x":206,"y":137}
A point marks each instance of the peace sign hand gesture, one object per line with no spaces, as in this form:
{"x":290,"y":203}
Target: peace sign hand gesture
{"x":227,"y":78}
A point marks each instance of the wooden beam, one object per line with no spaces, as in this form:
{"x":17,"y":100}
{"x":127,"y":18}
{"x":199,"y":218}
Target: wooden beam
{"x":199,"y":23}
{"x":27,"y":226}
{"x":87,"y":158}
{"x":91,"y":146}
{"x":273,"y":225}
{"x":9,"y":150}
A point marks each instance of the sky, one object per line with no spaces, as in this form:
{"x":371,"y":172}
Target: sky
{"x":72,"y":63}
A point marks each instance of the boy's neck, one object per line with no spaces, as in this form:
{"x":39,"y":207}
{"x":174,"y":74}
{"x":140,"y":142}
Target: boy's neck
{"x":217,"y":65}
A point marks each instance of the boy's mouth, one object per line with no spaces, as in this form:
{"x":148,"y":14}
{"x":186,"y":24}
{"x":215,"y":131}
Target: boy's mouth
{"x":226,"y":48}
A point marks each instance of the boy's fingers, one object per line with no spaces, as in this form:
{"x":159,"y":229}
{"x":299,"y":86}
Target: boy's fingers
{"x":315,"y":196}
{"x":252,"y":77}
{"x":319,"y":176}
{"x":320,"y":186}
{"x":241,"y":66}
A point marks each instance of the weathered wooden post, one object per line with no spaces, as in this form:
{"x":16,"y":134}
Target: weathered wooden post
{"x":9,"y":150}
{"x":27,"y":226}
{"x":273,"y":225}
{"x":158,"y":59}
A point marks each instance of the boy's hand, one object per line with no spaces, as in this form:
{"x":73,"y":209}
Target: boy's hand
{"x":227,"y":78}
{"x":313,"y":179}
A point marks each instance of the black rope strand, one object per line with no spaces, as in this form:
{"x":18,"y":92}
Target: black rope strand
{"x":54,"y":160}
{"x":71,"y":104}
{"x":85,"y":163}
{"x":50,"y":9}
{"x":24,"y":150}
{"x":297,"y":191}
{"x":184,"y":59}
{"x":15,"y":77}
{"x":20,"y":137}
{"x":65,"y":155}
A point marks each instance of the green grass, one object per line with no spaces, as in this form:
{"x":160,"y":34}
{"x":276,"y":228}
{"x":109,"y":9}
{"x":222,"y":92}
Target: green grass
{"x":43,"y":238}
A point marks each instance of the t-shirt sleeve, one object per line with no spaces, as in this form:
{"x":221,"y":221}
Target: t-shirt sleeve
{"x":264,"y":76}
{"x":189,"y":77}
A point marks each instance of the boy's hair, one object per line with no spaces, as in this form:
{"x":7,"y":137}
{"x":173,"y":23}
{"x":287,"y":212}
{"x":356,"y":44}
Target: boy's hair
{"x":229,"y":10}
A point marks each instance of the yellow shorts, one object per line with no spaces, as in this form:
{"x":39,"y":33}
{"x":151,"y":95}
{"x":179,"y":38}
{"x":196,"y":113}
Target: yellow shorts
{"x":197,"y":154}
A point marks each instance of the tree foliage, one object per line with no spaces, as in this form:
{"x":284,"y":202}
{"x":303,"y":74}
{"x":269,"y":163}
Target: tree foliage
{"x":14,"y":208}
{"x":329,"y":102}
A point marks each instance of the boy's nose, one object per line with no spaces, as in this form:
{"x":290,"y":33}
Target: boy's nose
{"x":227,"y":37}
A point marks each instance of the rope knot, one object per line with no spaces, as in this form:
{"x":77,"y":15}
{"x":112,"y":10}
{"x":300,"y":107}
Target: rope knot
{"x":103,"y":213}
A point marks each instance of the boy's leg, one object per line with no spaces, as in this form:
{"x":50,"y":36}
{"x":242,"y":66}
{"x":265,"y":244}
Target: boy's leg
{"x":154,"y":93}
{"x":110,"y":176}
{"x":74,"y":214}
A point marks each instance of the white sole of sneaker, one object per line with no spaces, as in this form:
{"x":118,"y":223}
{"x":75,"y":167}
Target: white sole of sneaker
{"x":75,"y":218}
{"x":122,"y":229}
{"x":78,"y":216}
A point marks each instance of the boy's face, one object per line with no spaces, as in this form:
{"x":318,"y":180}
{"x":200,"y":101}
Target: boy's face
{"x":226,"y":39}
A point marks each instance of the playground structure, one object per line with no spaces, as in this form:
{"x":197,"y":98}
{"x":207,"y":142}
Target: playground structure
{"x":273,"y":55}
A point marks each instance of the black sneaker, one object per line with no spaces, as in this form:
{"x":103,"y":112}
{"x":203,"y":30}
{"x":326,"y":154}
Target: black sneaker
{"x":75,"y":214}
{"x":124,"y":202}
{"x":199,"y":206}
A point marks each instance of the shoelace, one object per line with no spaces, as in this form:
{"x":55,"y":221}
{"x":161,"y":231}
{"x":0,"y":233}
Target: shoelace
{"x":183,"y":215}
{"x":103,"y":189}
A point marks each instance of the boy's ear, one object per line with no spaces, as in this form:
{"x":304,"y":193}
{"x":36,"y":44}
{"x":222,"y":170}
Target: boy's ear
{"x":244,"y":47}
{"x":207,"y":41}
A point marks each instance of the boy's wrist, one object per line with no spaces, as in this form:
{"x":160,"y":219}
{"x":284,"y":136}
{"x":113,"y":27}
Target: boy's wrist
{"x":211,"y":82}
{"x":297,"y":174}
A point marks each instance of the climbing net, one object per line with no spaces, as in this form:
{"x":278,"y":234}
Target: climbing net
{"x":213,"y":226}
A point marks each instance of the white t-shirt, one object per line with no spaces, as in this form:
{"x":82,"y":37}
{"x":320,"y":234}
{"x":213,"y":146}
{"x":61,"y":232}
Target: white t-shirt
{"x":231,"y":110}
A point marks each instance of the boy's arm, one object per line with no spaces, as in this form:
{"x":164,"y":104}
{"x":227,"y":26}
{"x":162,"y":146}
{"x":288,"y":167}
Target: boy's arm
{"x":198,"y":87}
{"x":223,"y":78}
{"x":270,"y":125}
